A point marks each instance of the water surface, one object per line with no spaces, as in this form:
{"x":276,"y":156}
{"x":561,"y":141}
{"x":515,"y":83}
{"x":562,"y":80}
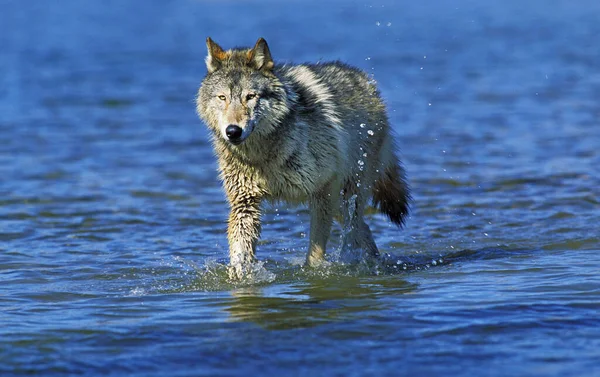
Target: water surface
{"x":112,"y":218}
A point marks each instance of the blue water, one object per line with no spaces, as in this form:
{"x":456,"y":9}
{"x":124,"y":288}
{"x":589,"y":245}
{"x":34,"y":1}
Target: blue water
{"x":112,"y":218}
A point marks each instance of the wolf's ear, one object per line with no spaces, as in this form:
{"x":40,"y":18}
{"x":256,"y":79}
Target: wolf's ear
{"x":215,"y":56}
{"x":260,"y":56}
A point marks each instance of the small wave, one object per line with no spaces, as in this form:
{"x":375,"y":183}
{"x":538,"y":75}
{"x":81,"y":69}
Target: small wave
{"x":215,"y":275}
{"x":212,"y":274}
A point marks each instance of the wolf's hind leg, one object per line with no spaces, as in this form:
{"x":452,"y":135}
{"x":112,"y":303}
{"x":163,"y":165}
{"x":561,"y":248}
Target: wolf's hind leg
{"x":321,"y":217}
{"x":366,"y":241}
{"x":357,"y":236}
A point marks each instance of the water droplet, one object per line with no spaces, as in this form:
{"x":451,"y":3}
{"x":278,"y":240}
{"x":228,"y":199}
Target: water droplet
{"x":389,"y":24}
{"x":378,"y":23}
{"x":362,"y":125}
{"x":370,"y":132}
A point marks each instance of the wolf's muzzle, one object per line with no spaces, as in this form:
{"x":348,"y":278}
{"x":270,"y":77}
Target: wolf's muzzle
{"x":234,"y":133}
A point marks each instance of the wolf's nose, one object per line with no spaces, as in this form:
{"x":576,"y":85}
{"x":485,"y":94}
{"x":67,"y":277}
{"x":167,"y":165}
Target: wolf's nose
{"x":233,"y":132}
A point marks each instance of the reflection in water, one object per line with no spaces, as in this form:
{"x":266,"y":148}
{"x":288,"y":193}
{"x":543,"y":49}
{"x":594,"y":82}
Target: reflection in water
{"x":314,"y":302}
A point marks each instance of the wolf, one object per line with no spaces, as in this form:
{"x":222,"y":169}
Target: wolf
{"x":308,"y":133}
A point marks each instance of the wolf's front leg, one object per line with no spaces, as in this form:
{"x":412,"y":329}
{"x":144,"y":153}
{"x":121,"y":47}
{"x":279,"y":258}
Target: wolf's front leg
{"x":243,"y":228}
{"x":243,"y":231}
{"x":321,"y":217}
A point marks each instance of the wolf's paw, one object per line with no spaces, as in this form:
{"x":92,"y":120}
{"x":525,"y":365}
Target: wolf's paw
{"x":238,"y":271}
{"x":249,"y":273}
{"x":316,"y":262}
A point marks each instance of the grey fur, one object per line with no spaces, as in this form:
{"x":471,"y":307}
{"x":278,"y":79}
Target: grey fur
{"x":313,"y":133}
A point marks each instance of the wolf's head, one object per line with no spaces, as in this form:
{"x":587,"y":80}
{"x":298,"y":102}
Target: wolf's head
{"x":240,"y":94}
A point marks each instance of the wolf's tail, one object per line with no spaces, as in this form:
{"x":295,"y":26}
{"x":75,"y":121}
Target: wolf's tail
{"x":391,"y":193}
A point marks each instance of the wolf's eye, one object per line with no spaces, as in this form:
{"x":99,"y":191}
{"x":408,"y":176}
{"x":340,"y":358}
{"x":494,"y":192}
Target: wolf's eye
{"x":221,"y":97}
{"x":250,"y":96}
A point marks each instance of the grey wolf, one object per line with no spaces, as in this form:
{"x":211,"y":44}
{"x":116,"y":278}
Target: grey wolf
{"x":309,"y":133}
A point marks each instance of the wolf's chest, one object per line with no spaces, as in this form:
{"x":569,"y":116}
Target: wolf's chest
{"x":294,"y":181}
{"x":288,"y":185}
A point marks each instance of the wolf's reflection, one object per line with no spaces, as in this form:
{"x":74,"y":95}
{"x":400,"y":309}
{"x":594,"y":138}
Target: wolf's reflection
{"x":311,"y":303}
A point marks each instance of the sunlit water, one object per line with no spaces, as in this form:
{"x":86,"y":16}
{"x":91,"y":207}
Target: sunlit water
{"x":112,"y":219}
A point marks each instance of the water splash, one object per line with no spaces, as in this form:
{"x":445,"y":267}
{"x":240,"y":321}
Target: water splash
{"x":185,"y":275}
{"x":218,"y":275}
{"x":351,"y":209}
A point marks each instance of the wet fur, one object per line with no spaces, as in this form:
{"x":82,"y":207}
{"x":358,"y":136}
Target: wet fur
{"x":305,"y":133}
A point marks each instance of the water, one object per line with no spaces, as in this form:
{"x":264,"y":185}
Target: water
{"x":112,"y":219}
